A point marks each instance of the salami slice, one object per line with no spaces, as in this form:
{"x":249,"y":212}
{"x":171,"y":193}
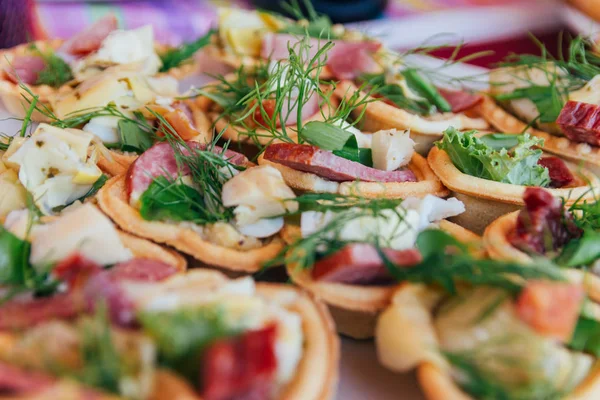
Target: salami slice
{"x":159,"y":160}
{"x":580,"y":122}
{"x":142,"y":269}
{"x":360,"y":263}
{"x":327,"y":165}
{"x":241,"y":368}
{"x":15,"y":381}
{"x":90,"y":39}
{"x":25,"y":68}
{"x":459,"y":100}
{"x":19,"y":314}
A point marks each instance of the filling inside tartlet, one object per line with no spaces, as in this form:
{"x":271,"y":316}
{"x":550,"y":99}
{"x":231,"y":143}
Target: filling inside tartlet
{"x":351,"y":240}
{"x":568,"y":235}
{"x":506,"y":158}
{"x":210,"y":190}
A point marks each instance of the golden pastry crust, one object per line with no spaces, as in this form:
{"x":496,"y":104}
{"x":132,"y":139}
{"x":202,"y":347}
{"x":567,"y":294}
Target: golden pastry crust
{"x":486,"y":200}
{"x":427,"y":182}
{"x":505,"y":122}
{"x":113,"y":200}
{"x":142,"y":248}
{"x":379,"y":115}
{"x":355,"y":308}
{"x":317,"y":374}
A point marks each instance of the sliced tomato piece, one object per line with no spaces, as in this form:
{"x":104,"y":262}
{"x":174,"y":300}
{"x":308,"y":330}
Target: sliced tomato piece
{"x":551,"y":308}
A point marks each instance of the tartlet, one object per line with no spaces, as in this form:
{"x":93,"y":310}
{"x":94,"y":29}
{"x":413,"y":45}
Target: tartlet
{"x":113,"y":200}
{"x":486,"y":200}
{"x":355,"y":308}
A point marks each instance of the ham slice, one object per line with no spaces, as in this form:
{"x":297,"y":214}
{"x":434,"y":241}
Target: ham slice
{"x":142,"y":269}
{"x":459,"y":100}
{"x":560,"y":175}
{"x":241,"y":368}
{"x":360,"y":263}
{"x":159,"y":160}
{"x":551,"y":308}
{"x":16,"y":382}
{"x":25,"y":68}
{"x":311,"y":159}
{"x":19,"y":314}
{"x":90,"y":39}
{"x":580,"y":122}
{"x":543,"y":225}
{"x":346,"y":60}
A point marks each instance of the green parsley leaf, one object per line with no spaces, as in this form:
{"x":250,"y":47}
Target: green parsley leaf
{"x":133,"y":137}
{"x":395,"y":93}
{"x":175,"y":57}
{"x":474,"y":157}
{"x":182,"y":335}
{"x":547,"y":99}
{"x":167,"y":200}
{"x":499,"y":141}
{"x":581,"y":251}
{"x":14,"y":258}
{"x":586,"y":336}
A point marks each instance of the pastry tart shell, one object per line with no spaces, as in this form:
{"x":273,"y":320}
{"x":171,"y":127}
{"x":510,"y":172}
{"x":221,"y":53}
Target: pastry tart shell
{"x":317,"y":374}
{"x":142,"y":248}
{"x":577,"y":153}
{"x":379,"y":115}
{"x":427,"y":182}
{"x":355,"y":308}
{"x":113,"y":200}
{"x":486,"y":200}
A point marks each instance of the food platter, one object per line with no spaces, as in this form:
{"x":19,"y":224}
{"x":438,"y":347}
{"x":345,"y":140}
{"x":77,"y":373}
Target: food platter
{"x":266,"y":212}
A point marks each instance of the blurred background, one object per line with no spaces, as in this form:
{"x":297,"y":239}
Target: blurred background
{"x":500,"y":25}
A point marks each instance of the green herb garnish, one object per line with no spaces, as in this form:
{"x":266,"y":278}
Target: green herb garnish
{"x":175,"y":57}
{"x":447,"y":261}
{"x":56,"y":72}
{"x":182,"y":335}
{"x":93,"y":190}
{"x":396,"y":94}
{"x":313,"y":24}
{"x":336,"y":139}
{"x":586,"y":336}
{"x":518,"y":166}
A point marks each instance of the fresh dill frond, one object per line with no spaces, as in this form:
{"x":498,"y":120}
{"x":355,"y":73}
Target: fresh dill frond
{"x":56,"y":72}
{"x":304,"y":251}
{"x":175,"y":57}
{"x":447,"y":262}
{"x":312,"y":23}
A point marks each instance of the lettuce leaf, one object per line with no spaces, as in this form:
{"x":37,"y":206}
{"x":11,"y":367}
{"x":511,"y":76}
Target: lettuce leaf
{"x":517,"y":166}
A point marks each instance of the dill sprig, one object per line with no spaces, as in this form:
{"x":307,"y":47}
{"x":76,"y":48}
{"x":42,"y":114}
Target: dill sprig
{"x":209,"y":170}
{"x":304,"y":251}
{"x":176,"y":56}
{"x":447,"y":262}
{"x":312,"y":23}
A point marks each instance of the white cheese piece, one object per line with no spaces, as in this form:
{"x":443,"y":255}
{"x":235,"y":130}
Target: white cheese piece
{"x":84,"y":230}
{"x":258,"y":192}
{"x":53,"y":165}
{"x":433,"y":209}
{"x":13,"y":194}
{"x":126,"y":47}
{"x":165,"y":86}
{"x":312,"y":221}
{"x":106,"y":128}
{"x":590,"y":93}
{"x":263,"y":228}
{"x":391,"y":149}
